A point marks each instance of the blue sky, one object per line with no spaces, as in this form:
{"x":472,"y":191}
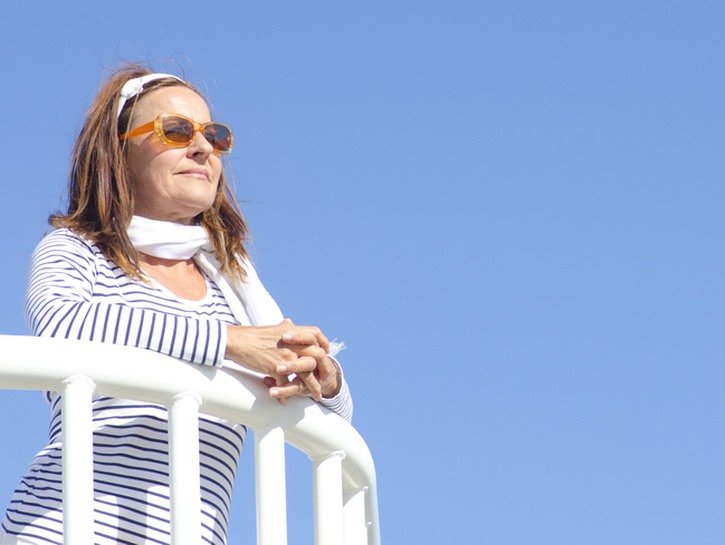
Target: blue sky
{"x":511,"y":211}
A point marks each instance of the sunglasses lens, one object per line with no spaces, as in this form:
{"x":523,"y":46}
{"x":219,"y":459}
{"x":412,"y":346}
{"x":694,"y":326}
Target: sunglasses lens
{"x":177,"y":130}
{"x":219,"y":136}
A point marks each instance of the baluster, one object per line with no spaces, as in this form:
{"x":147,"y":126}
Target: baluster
{"x":269,"y":461}
{"x":356,"y":528}
{"x":184,"y":478}
{"x":78,"y":460}
{"x":327,"y":498}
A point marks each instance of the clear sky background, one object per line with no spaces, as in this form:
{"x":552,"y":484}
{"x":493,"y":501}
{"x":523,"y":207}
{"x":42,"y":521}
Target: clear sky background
{"x":511,"y":211}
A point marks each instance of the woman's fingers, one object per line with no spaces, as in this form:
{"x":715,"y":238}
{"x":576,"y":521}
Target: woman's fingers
{"x":324,"y":370}
{"x":311,"y":386}
{"x":304,"y":384}
{"x":307,"y":359}
{"x":306,"y":335}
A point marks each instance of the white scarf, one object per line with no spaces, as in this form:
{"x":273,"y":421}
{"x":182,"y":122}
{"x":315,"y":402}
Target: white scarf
{"x":248,"y":300}
{"x":165,"y":239}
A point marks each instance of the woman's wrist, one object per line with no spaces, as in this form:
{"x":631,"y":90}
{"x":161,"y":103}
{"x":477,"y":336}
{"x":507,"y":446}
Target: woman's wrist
{"x":333,"y":387}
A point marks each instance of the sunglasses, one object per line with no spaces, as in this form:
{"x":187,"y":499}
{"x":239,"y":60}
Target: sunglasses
{"x":177,"y":130}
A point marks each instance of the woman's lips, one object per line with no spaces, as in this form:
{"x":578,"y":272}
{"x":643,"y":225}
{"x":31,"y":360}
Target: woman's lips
{"x":196,"y":173}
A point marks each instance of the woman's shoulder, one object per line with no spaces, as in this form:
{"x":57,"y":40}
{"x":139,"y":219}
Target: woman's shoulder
{"x":68,"y":243}
{"x":64,"y":237}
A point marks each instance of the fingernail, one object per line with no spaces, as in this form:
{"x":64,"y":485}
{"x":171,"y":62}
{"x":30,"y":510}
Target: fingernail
{"x":287,"y":336}
{"x":274,"y":392}
{"x":281,"y":369}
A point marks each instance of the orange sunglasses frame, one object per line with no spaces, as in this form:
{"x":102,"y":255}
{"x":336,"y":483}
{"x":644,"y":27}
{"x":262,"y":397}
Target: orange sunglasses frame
{"x":157,"y":126}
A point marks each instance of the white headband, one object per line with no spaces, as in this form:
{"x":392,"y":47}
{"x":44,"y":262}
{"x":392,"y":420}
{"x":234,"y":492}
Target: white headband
{"x":134,"y":86}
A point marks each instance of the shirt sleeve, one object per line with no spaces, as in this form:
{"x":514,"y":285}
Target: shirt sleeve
{"x":60,"y":303}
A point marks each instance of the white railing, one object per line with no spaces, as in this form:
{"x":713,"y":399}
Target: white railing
{"x":344,"y":486}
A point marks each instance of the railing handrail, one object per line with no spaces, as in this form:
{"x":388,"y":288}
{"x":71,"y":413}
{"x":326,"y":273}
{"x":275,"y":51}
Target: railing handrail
{"x":33,"y":363}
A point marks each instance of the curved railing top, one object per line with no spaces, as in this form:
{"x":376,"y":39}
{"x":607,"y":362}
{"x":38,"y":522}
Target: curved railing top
{"x":33,"y":363}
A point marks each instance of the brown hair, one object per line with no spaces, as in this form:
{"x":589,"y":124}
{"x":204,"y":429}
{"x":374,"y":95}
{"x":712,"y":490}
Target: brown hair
{"x":100,"y":198}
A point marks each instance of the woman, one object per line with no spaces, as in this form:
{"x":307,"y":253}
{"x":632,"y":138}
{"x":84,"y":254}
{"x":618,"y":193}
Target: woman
{"x":151,"y":254}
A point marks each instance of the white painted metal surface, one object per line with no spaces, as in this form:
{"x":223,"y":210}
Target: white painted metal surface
{"x":356,"y":526}
{"x":327,"y":494}
{"x":77,"y":460}
{"x":184,"y":477}
{"x":75,"y":367}
{"x":269,"y":462}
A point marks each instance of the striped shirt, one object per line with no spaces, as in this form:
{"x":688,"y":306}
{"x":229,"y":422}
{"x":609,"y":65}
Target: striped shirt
{"x":75,"y":292}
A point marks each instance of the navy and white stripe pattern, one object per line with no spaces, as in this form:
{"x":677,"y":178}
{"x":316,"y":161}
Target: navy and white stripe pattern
{"x":76,"y":292}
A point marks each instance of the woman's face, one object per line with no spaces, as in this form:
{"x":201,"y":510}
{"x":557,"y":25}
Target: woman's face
{"x":171,"y":183}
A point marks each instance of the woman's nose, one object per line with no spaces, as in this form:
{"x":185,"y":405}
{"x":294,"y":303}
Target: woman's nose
{"x":199,"y":144}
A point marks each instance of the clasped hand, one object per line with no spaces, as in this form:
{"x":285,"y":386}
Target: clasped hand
{"x":282,"y":350}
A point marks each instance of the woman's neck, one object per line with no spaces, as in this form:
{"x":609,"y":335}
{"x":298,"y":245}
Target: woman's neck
{"x":180,"y":276}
